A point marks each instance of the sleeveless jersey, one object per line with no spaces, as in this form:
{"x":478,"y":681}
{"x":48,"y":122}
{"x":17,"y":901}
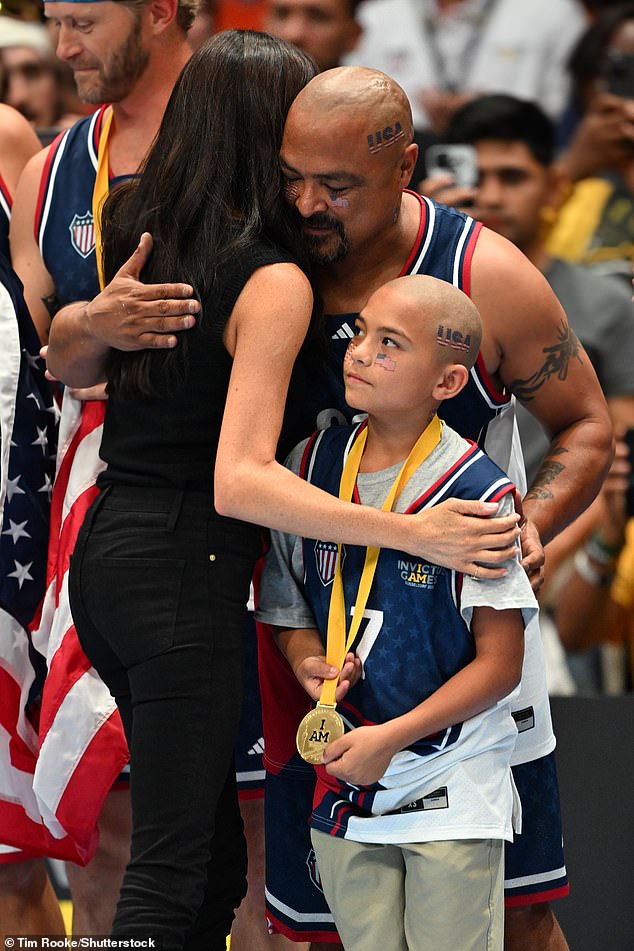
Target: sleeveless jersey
{"x":415,"y":640}
{"x":444,"y":249}
{"x":64,"y":227}
{"x":5,"y":218}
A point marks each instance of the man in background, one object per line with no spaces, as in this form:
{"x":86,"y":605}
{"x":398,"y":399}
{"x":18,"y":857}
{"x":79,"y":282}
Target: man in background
{"x":33,"y":80}
{"x":325,"y":29}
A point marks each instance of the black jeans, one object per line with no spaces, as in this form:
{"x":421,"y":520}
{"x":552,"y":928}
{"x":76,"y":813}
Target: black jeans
{"x":158,"y":589}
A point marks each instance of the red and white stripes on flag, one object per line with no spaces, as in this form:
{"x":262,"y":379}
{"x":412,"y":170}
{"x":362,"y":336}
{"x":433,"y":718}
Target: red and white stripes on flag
{"x":82,"y":748}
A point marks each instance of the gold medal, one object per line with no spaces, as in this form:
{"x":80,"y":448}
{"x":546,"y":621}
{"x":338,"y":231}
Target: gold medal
{"x":318,"y":728}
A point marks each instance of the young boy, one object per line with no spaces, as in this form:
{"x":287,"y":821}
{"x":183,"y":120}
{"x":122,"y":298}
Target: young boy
{"x":414,"y":800}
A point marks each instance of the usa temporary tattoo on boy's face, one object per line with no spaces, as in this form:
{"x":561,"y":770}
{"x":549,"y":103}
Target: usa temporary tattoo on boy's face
{"x":382,"y":360}
{"x":384,"y":138}
{"x":446,"y":337}
{"x":350,"y":350}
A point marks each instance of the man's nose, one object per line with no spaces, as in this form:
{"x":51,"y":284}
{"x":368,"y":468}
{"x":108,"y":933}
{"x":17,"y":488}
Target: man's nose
{"x":360,"y":351}
{"x":309,"y":199}
{"x":68,"y":45}
{"x":17,"y":94}
{"x":489,"y":191}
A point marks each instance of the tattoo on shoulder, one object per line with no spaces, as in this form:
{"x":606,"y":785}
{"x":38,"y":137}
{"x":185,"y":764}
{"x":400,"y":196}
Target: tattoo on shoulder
{"x":556,"y":360}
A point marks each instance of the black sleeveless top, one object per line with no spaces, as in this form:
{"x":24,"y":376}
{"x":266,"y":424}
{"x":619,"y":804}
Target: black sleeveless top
{"x":171,"y":439}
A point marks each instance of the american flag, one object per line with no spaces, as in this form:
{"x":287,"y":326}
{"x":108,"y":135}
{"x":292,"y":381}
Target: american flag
{"x":55,"y":774}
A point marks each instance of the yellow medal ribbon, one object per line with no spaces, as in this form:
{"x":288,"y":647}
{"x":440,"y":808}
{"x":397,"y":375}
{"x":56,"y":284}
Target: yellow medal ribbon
{"x":102,"y":185}
{"x":337,"y":644}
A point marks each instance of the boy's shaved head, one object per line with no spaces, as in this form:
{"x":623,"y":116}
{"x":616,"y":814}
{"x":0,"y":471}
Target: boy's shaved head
{"x":448,"y":318}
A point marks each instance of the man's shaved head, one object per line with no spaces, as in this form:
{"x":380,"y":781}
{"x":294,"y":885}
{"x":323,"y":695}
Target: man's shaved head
{"x":346,"y":156}
{"x":361,"y":96}
{"x":448,"y":319}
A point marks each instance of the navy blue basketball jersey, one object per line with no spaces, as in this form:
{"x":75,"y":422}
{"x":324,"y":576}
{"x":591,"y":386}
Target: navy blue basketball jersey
{"x":64,"y":227}
{"x":5,"y":218}
{"x":414,"y":641}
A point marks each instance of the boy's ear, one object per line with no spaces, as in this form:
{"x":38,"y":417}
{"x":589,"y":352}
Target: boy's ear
{"x":454,"y":378}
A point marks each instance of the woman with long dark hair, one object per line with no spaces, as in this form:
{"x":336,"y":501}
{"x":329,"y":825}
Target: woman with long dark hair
{"x":160,"y":581}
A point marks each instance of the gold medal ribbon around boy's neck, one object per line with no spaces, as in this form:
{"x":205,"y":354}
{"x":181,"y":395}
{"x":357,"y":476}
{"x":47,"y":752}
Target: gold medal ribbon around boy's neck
{"x":337,"y":644}
{"x":102,"y":186}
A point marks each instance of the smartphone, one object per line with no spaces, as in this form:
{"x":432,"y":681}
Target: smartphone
{"x":629,"y":495}
{"x":618,"y":73}
{"x":459,"y":161}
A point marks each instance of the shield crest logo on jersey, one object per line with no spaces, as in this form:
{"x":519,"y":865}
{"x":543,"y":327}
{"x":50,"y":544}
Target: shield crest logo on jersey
{"x":82,"y":234}
{"x":326,"y":560}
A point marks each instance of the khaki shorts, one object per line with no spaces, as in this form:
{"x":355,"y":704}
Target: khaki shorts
{"x":428,"y":896}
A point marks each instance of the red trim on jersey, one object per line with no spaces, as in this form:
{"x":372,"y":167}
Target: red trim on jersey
{"x":502,"y":491}
{"x":278,"y":927}
{"x":497,"y":396}
{"x":96,"y":132}
{"x":472,"y":450}
{"x":6,"y":193}
{"x":419,"y":237}
{"x":247,"y":795}
{"x":44,"y":182}
{"x":535,"y":898}
{"x":465,"y":267}
{"x":303,"y":466}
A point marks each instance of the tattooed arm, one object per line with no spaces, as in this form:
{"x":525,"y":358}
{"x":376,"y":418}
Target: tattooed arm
{"x":530,"y":349}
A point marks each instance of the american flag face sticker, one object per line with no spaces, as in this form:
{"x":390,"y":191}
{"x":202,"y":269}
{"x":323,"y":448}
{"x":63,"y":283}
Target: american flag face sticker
{"x":326,"y":561}
{"x":82,"y":234}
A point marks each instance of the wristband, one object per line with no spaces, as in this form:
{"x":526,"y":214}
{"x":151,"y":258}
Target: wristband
{"x":599,"y":550}
{"x":589,"y":573}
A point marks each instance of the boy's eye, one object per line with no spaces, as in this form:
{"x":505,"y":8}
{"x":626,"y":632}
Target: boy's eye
{"x":389,"y":342}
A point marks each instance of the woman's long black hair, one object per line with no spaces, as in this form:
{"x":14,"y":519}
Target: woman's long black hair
{"x":211,"y":183}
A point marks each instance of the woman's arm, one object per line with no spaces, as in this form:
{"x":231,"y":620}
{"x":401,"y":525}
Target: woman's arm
{"x":363,"y":755}
{"x":264,"y":334}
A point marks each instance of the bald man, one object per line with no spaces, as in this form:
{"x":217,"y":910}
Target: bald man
{"x":390,"y":857}
{"x":347,"y":158}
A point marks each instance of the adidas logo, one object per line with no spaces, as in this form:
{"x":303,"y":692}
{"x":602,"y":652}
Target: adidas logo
{"x":258,"y":748}
{"x":345,"y":332}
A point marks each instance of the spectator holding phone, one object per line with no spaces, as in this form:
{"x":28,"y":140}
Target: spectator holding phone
{"x":518,"y":189}
{"x":517,"y":192}
{"x":596,"y":224}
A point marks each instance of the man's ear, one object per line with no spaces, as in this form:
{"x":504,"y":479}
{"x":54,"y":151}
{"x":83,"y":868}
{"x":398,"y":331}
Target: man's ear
{"x":163,"y":13}
{"x":408,"y":163}
{"x":453,"y":379}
